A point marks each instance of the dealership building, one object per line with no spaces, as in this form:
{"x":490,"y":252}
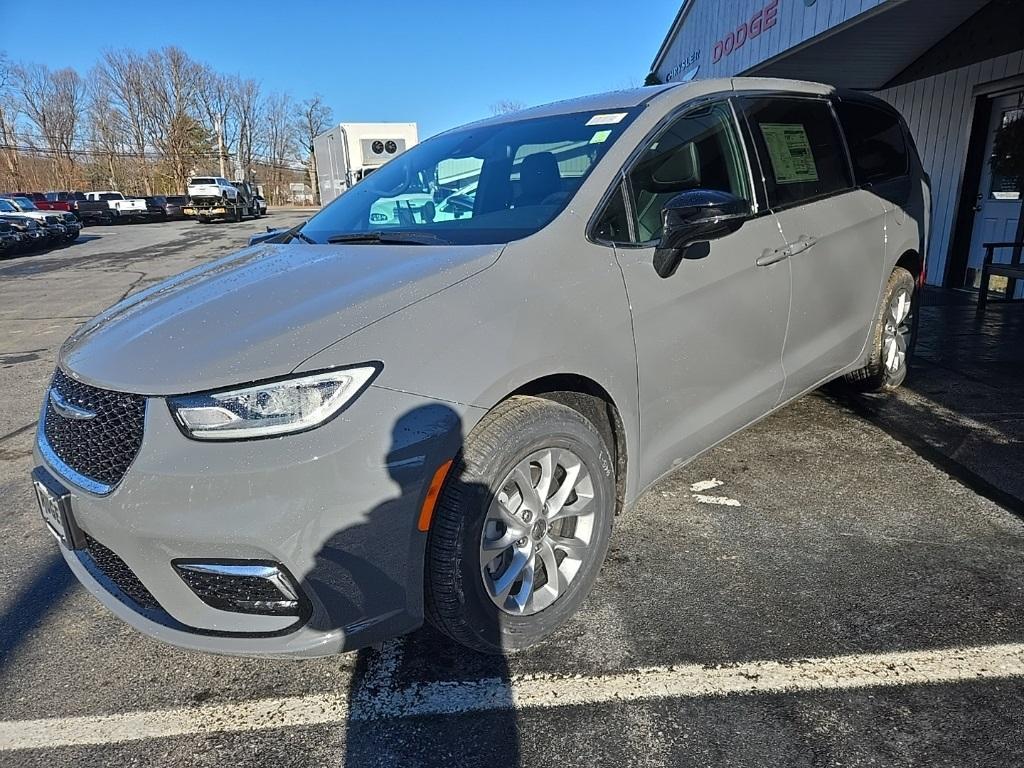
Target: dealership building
{"x":954,"y":68}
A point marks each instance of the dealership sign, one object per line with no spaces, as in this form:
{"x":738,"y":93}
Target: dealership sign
{"x":764,"y":19}
{"x":685,"y":70}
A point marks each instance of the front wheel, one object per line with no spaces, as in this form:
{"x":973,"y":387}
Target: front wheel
{"x":891,"y":337}
{"x":521,"y":528}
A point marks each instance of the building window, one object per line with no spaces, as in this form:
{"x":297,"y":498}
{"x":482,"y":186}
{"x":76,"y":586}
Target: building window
{"x":801,"y":151}
{"x":878,"y":147}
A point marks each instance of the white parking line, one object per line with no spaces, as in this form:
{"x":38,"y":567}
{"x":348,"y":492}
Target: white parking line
{"x":880,"y":670}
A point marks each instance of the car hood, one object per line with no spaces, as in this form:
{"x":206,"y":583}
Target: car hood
{"x":39,"y":216}
{"x":258,"y":313}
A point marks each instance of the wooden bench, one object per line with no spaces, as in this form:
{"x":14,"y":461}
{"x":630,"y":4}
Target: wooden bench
{"x":1013,"y":270}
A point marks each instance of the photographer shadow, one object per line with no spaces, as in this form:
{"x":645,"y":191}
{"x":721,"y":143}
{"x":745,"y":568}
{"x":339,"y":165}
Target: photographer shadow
{"x":358,"y":572}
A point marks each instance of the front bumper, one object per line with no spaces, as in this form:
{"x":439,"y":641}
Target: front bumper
{"x":336,"y":506}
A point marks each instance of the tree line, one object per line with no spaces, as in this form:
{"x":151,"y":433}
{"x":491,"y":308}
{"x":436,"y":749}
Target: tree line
{"x":143,"y":122}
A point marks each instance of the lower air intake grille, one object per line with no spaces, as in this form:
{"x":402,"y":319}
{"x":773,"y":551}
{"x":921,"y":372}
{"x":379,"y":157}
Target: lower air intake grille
{"x":117,"y":570}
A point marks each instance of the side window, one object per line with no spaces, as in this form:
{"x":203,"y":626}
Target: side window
{"x":613,"y":226}
{"x":700,"y":150}
{"x":875,"y":137}
{"x":800,"y":149}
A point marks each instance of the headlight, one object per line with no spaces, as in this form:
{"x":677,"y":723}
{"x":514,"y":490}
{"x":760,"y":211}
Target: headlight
{"x":271,"y":408}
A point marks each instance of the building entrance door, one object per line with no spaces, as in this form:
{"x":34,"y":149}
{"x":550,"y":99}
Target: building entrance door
{"x":998,"y":209}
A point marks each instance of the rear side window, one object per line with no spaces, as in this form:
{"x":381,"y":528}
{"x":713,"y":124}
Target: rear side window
{"x":878,"y":147}
{"x":800,"y":148}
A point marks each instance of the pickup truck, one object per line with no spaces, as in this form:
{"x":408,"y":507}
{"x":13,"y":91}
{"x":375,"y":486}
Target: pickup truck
{"x":211,"y":188}
{"x":125,"y":208}
{"x":87,"y":211}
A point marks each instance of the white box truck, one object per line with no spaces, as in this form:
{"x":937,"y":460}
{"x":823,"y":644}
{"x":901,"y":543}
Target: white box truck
{"x":350,"y":151}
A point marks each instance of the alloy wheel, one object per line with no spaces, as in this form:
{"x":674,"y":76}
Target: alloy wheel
{"x":896,"y":333}
{"x":538,"y":530}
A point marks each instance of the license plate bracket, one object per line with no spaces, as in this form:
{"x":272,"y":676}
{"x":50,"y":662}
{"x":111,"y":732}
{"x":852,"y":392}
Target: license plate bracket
{"x":55,"y":507}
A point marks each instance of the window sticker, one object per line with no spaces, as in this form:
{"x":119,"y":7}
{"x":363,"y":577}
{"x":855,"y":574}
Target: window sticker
{"x":600,"y":136}
{"x":790,"y":152}
{"x":611,"y":118}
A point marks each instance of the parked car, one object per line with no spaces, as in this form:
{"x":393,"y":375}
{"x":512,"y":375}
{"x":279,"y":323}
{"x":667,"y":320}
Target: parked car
{"x":9,"y":239}
{"x":40,"y":201}
{"x":263,"y":204}
{"x":73,"y":226}
{"x":124,"y":208}
{"x":350,"y":427}
{"x":155,"y":208}
{"x":49,"y":222}
{"x":174,"y":206}
{"x":30,"y":235}
{"x":87,"y":211}
{"x":211,"y":187}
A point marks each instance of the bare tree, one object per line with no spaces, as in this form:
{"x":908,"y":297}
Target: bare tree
{"x":248,"y":104}
{"x":216,"y":100}
{"x":53,"y":101}
{"x":170,"y":113}
{"x":280,"y":141}
{"x":505,"y":106}
{"x":314,"y":117}
{"x":9,"y":113}
{"x":123,"y":75}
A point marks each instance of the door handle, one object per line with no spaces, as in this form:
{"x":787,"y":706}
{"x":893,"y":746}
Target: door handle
{"x":772,"y":256}
{"x":803,"y":243}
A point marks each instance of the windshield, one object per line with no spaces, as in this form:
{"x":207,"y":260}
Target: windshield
{"x":111,"y":196}
{"x":24,"y":203}
{"x":479,"y":184}
{"x":6,"y":207}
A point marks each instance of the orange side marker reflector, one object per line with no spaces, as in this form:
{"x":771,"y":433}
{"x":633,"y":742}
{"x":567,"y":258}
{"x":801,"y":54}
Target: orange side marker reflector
{"x":427,"y":512}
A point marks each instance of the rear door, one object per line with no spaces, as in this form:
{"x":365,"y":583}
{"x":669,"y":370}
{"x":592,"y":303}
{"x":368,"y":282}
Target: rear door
{"x":835,"y":233}
{"x":708,"y":338}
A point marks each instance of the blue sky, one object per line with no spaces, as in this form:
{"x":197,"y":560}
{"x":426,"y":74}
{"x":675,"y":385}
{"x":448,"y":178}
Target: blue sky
{"x":435,"y":63}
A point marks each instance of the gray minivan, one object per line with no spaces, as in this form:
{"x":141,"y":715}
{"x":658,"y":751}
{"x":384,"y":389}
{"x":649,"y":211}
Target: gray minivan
{"x":434,"y":397}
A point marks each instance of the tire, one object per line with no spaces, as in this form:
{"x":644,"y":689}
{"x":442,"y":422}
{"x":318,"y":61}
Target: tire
{"x":891,"y":337}
{"x":470,"y":513}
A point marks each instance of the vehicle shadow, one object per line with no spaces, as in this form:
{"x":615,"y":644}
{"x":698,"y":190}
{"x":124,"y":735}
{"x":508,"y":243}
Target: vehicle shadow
{"x":50,"y":585}
{"x":360,"y":572}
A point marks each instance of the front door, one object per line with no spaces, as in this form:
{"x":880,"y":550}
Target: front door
{"x":999,"y":196}
{"x":709,"y":337}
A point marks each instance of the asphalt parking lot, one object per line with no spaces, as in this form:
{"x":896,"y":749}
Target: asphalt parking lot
{"x":811,"y":592}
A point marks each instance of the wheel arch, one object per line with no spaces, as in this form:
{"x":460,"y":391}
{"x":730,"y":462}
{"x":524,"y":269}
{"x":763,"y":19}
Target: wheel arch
{"x":588,"y":398}
{"x":911,"y":261}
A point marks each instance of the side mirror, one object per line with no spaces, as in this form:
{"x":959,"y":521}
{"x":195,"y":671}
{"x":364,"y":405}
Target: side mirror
{"x":696,"y":216}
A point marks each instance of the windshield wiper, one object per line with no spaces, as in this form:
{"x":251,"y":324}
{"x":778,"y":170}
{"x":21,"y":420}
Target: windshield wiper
{"x":304,"y":238}
{"x":402,"y":238}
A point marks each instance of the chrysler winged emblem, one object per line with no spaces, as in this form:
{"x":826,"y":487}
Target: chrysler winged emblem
{"x":67,"y":409}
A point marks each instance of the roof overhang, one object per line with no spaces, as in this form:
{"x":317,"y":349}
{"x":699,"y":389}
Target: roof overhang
{"x":871,"y":49}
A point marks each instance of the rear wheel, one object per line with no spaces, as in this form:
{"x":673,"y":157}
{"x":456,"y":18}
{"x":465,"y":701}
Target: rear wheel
{"x":891,"y":337}
{"x":521,"y":528}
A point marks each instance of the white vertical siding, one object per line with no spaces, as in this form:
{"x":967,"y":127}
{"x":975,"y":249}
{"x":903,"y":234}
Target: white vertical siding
{"x":939,"y":111}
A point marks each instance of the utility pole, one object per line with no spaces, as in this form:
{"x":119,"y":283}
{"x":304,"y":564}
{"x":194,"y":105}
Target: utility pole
{"x":221,"y":153}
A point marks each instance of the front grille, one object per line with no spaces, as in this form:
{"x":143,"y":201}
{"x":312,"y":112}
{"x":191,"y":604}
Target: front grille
{"x":117,"y":570}
{"x":100,"y":448}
